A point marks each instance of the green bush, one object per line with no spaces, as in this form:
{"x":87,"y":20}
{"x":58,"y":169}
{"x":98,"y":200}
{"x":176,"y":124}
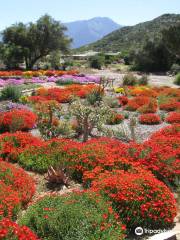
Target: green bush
{"x":94,"y":97}
{"x":177,"y":79}
{"x":97,"y":62}
{"x":112,"y":102}
{"x":39,"y":159}
{"x":65,"y":82}
{"x":129,"y":80}
{"x":175,"y":69}
{"x":143,"y":80}
{"x":11,"y":93}
{"x":80,"y":216}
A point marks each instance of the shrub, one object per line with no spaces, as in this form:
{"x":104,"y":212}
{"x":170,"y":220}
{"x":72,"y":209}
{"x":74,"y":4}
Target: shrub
{"x":175,"y":68}
{"x":9,"y":201}
{"x":150,"y":107}
{"x":12,"y":144}
{"x":137,"y":102}
{"x":112,"y":102}
{"x":129,"y":80}
{"x":115,"y":119}
{"x":15,"y":120}
{"x":12,"y":231}
{"x":95,"y":96}
{"x":160,"y":154}
{"x":173,"y":117}
{"x":123,"y":100}
{"x":18,"y":179}
{"x":96,"y":62}
{"x":75,"y":216}
{"x":11,"y":93}
{"x":149,"y":119}
{"x":138,"y":197}
{"x":143,"y":80}
{"x":51,"y":153}
{"x":177,"y":79}
{"x":170,"y":106}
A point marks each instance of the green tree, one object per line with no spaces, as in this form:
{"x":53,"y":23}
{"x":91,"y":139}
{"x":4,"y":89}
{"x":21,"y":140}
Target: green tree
{"x":171,"y":38}
{"x":153,"y":56}
{"x":33,"y":41}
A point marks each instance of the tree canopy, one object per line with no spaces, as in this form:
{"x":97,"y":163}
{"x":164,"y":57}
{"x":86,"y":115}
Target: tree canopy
{"x":30,"y":42}
{"x":171,"y":38}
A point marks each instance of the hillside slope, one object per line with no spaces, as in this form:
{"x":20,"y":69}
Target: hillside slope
{"x":133,"y":37}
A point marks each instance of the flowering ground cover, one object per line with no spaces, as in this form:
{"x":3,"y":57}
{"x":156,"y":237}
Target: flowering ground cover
{"x":123,"y":183}
{"x":61,"y":77}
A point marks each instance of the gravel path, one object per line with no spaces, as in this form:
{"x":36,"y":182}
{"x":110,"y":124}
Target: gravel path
{"x":155,"y":80}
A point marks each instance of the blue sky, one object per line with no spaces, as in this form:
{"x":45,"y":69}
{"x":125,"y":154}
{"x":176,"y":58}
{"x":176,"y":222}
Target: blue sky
{"x":126,"y":12}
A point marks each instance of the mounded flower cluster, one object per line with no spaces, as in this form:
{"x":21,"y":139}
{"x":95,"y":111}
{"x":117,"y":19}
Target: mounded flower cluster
{"x":137,"y":102}
{"x":173,"y":117}
{"x":138,"y":196}
{"x":17,"y":119}
{"x":10,"y":201}
{"x":115,"y":119}
{"x":171,"y":106}
{"x":18,"y":179}
{"x":160,"y":153}
{"x":80,"y":215}
{"x":12,"y":231}
{"x":12,"y":144}
{"x":149,"y":119}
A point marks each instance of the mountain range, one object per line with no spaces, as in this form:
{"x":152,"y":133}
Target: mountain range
{"x":133,"y":37}
{"x":88,"y":31}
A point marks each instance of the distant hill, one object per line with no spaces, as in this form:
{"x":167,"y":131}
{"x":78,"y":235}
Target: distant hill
{"x":133,"y":37}
{"x":89,"y":31}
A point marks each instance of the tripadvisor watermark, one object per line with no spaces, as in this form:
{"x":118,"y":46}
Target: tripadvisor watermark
{"x":139,"y":231}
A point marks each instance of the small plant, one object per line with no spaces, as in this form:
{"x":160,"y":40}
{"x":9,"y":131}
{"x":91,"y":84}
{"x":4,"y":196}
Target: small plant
{"x":57,"y":176}
{"x":132,"y":127}
{"x":115,"y":118}
{"x":95,"y":96}
{"x":112,"y":102}
{"x":129,"y":80}
{"x":11,"y":93}
{"x":177,"y":79}
{"x":89,"y":117}
{"x":149,"y":119}
{"x":65,"y":82}
{"x":143,"y":80}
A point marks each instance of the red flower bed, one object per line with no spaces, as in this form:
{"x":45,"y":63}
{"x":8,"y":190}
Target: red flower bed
{"x":12,"y":231}
{"x":137,"y":102}
{"x":139,"y":198}
{"x":18,"y":179}
{"x":17,"y":119}
{"x":63,"y":95}
{"x":172,"y":106}
{"x":12,"y":144}
{"x":173,"y":117}
{"x":149,"y":119}
{"x":37,"y":73}
{"x":10,"y":201}
{"x":151,"y":107}
{"x":160,"y":153}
